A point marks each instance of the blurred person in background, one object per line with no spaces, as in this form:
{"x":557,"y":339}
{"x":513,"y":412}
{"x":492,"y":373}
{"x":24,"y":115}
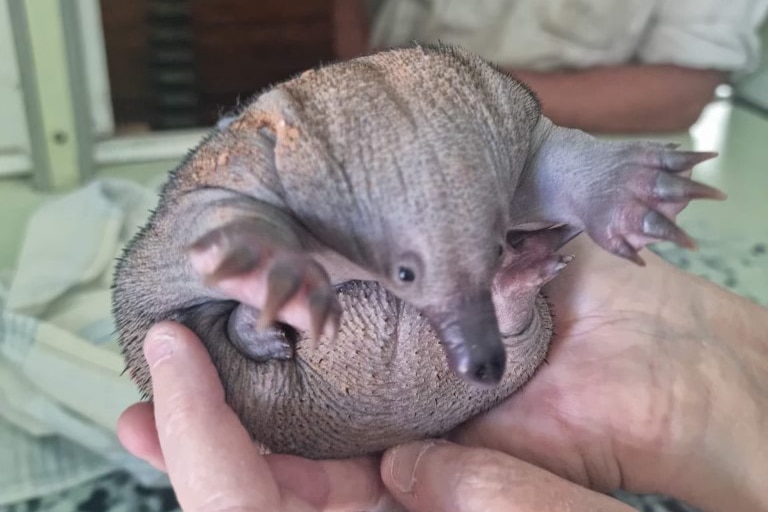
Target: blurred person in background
{"x":598,"y":65}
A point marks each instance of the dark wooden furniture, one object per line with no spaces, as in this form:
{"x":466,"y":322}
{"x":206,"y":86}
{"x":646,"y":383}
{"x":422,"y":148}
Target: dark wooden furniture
{"x":180,"y":63}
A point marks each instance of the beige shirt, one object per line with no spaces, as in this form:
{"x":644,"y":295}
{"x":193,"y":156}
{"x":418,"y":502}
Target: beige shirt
{"x":557,"y":34}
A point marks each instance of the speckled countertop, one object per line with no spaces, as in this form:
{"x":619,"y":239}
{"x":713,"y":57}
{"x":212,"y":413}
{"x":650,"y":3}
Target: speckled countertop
{"x":732,"y":235}
{"x":733,"y":252}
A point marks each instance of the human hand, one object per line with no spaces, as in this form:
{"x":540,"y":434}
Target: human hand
{"x":212,"y":463}
{"x":191,"y":433}
{"x":617,"y":394}
{"x":657,"y":382}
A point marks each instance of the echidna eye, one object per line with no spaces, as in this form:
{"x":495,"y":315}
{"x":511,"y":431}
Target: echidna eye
{"x":405,"y":274}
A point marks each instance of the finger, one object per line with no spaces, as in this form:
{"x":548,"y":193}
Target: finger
{"x":211,"y":460}
{"x":440,"y":476}
{"x":352,"y":484}
{"x":137,"y":432}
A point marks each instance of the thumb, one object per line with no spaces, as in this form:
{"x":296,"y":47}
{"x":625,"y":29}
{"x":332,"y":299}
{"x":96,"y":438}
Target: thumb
{"x":438,"y":476}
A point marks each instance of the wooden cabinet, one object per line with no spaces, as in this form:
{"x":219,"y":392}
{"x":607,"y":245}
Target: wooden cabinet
{"x":181,"y":63}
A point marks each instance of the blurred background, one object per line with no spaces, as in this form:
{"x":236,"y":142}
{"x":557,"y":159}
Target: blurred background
{"x":177,"y":64}
{"x":101,"y":98}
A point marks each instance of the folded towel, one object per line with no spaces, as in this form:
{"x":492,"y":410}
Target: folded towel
{"x":61,"y":382}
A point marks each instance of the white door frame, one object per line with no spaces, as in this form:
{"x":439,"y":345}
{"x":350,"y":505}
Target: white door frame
{"x":62,"y":66}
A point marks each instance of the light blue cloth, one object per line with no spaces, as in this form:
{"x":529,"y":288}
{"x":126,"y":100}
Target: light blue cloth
{"x":61,"y":382}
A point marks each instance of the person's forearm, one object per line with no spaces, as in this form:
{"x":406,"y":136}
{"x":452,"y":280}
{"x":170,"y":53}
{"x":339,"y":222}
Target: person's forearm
{"x":624,"y":99}
{"x":718,"y":460}
{"x":739,"y":415}
{"x":709,"y":448}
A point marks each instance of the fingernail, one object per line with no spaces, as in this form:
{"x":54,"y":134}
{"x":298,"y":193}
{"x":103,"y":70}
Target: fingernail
{"x":158,"y":345}
{"x":405,"y":461}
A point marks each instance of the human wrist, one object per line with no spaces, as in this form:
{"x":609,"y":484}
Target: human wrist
{"x":742,"y":418}
{"x":725,"y":465}
{"x":703,"y":437}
